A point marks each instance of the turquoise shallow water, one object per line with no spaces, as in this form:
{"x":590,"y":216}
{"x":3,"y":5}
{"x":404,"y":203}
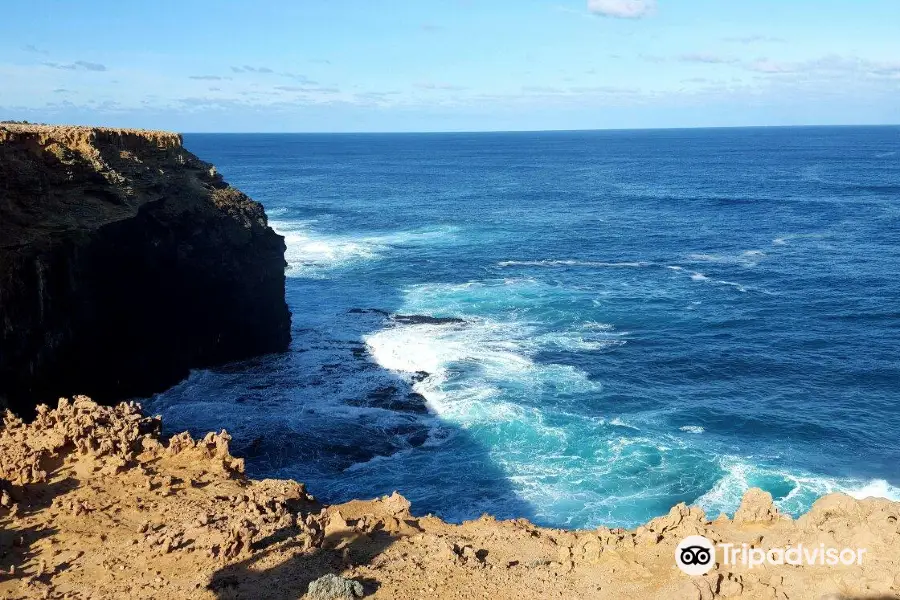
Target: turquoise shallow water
{"x":619,"y":321}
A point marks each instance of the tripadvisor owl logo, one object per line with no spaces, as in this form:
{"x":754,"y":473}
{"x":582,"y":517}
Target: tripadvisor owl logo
{"x":695,"y":555}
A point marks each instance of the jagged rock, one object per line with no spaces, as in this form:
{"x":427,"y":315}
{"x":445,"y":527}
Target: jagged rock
{"x":333,"y":587}
{"x":125,"y":262}
{"x":676,"y":515}
{"x":203,"y":532}
{"x":756,"y":507}
{"x":730,"y":587}
{"x":239,"y":539}
{"x":396,"y":504}
{"x":425,"y":320}
{"x":832,"y":507}
{"x":467,"y":555}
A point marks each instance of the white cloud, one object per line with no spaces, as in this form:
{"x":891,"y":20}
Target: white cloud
{"x":764,"y":65}
{"x":832,"y":66}
{"x":250,"y":69}
{"x":701,"y":57}
{"x":430,"y":85}
{"x":82,"y":65}
{"x":753,"y":39}
{"x":542,"y":89}
{"x":623,"y":9}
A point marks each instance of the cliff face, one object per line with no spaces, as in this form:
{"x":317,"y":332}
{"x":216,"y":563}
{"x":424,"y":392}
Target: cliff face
{"x":124,"y":262}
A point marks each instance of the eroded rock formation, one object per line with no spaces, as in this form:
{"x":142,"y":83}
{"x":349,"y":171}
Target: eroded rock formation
{"x":93,"y":503}
{"x":124,"y":262}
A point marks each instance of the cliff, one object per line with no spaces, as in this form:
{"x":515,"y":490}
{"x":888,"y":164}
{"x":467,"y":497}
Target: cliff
{"x":124,"y":262}
{"x":95,"y":504}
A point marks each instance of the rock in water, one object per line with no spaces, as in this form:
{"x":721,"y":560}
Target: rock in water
{"x":125,"y":261}
{"x":332,"y":587}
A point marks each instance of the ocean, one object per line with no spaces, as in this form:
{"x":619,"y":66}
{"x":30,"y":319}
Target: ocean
{"x":578,"y":328}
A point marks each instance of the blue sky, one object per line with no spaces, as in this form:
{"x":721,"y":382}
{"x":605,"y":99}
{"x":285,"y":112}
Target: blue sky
{"x":450,"y":65}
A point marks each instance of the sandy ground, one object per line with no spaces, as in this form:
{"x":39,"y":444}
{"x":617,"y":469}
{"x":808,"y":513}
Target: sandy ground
{"x":95,"y":505}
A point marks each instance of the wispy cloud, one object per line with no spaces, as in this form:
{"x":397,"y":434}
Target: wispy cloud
{"x":754,"y":39}
{"x":89,"y":66}
{"x":33,"y":49}
{"x":832,"y":65}
{"x":299,"y":78}
{"x":252,"y":69}
{"x":376,"y":98}
{"x":430,"y":85}
{"x":765,"y":65}
{"x":208,"y":77}
{"x":542,"y":89}
{"x":622,"y":9}
{"x":701,"y":57}
{"x":78,"y":65}
{"x":307,"y":88}
{"x":602,"y":89}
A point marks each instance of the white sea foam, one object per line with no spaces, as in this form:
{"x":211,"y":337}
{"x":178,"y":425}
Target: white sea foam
{"x":571,"y":263}
{"x":481,"y":370}
{"x":804,"y":488}
{"x":276,"y":212}
{"x":813,"y":173}
{"x":697,"y":276}
{"x":311,"y":253}
{"x":786,"y":239}
{"x":503,"y":297}
{"x":594,"y":325}
{"x":573,"y":341}
{"x":705,"y":257}
{"x":875,"y":488}
{"x":747,"y":258}
{"x":377,"y":460}
{"x":470,"y":366}
{"x":691,"y":429}
{"x":737,"y":286}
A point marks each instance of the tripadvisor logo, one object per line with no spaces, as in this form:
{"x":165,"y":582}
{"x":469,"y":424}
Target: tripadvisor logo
{"x":695,"y":555}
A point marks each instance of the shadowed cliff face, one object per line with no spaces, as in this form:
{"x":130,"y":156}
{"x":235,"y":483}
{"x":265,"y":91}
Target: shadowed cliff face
{"x":124,"y":262}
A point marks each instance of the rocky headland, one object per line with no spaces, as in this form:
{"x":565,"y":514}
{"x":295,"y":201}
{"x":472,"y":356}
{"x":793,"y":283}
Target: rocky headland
{"x":125,"y":261}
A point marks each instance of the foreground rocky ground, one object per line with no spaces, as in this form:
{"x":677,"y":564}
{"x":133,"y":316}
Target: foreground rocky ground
{"x":95,"y":505}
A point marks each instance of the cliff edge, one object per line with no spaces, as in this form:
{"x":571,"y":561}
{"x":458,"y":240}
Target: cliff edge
{"x":125,"y":261}
{"x":95,"y":504}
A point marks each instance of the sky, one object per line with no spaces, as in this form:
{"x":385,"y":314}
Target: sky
{"x":450,"y":65}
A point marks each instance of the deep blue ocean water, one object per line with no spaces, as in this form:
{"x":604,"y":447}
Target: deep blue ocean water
{"x":645,"y":318}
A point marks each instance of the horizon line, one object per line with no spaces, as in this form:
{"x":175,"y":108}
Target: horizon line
{"x":590,"y":130}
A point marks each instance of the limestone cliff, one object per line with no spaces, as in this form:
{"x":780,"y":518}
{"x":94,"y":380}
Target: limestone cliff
{"x":124,"y":262}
